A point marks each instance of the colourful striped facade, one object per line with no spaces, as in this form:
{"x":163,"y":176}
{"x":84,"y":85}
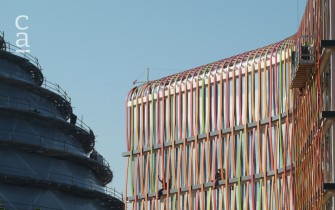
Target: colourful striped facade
{"x":240,"y":116}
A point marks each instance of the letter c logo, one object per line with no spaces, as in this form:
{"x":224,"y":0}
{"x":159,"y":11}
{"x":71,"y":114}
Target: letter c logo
{"x":17,"y":22}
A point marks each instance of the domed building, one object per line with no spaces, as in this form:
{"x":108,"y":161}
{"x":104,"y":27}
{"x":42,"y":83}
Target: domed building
{"x":48,"y":160}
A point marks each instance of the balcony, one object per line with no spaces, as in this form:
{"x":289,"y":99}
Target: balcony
{"x":303,"y":62}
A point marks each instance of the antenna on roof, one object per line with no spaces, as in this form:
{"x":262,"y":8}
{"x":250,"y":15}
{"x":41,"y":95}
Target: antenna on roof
{"x":147,"y":74}
{"x":142,"y":82}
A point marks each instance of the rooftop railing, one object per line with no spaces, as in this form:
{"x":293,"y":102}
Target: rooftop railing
{"x":8,"y":47}
{"x":61,"y":178}
{"x":53,"y":87}
{"x":37,"y":139}
{"x":28,"y":105}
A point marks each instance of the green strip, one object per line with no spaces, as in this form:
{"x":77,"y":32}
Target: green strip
{"x":131,"y":149}
{"x":168,"y":123}
{"x":135,"y":128}
{"x":174,"y":204}
{"x":152,"y":119}
{"x":209,"y":193}
{"x":203,"y":130}
{"x":132,"y":121}
{"x":131,"y":173}
{"x":280,"y":110}
{"x":260,"y":195}
{"x":239,"y":192}
{"x":152,"y":172}
{"x":281,"y":143}
{"x":280,"y":81}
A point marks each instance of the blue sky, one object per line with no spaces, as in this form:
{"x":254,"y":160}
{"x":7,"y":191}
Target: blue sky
{"x":96,"y":49}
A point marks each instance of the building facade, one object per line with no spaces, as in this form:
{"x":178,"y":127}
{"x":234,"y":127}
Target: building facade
{"x":253,"y":131}
{"x":47,"y":155}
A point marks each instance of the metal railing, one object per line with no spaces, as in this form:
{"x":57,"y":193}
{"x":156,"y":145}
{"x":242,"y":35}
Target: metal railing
{"x":8,"y":47}
{"x":80,"y":123}
{"x":11,"y":75}
{"x":28,"y":105}
{"x":53,"y":87}
{"x":39,"y":139}
{"x":63,"y":179}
